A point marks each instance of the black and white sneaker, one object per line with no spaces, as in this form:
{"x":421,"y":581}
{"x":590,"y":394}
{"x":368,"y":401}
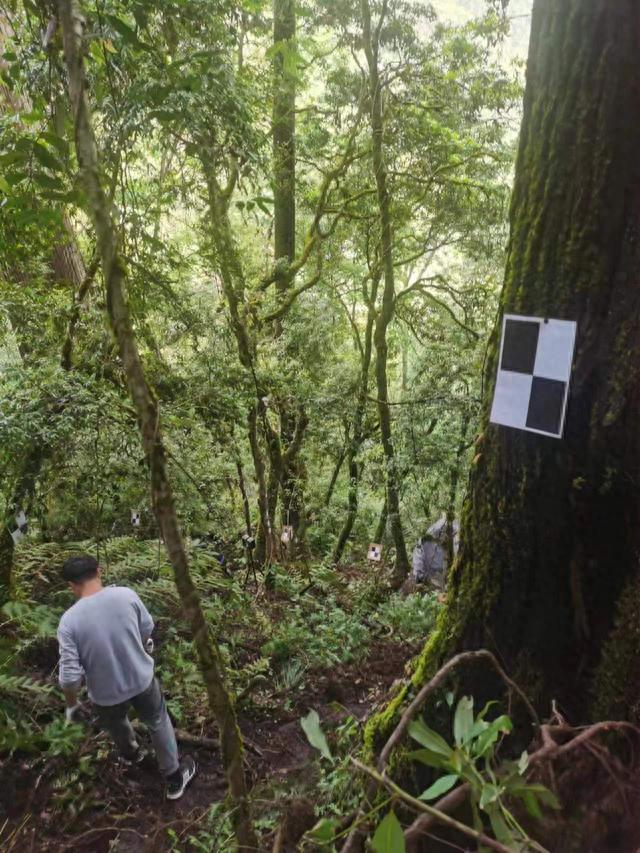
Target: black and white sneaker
{"x":178,"y":781}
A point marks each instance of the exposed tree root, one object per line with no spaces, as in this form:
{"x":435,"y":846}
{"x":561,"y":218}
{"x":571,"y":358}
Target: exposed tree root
{"x":545,"y":755}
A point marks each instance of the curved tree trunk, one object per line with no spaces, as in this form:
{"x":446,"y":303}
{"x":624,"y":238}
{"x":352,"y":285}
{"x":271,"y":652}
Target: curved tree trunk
{"x":381,"y":527}
{"x":357,"y":429}
{"x":550,"y":532}
{"x":148,"y":413}
{"x":292,"y":479}
{"x":371,"y":40}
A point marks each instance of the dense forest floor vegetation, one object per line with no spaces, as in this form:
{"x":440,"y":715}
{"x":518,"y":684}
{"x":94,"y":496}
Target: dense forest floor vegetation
{"x":311,"y":655}
{"x":319,"y":640}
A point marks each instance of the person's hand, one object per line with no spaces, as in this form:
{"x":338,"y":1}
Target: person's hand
{"x":149,"y":646}
{"x":72,"y":714}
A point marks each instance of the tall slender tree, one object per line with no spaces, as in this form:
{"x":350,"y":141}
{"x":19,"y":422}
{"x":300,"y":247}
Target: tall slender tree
{"x":148,"y":414}
{"x":371,"y":42}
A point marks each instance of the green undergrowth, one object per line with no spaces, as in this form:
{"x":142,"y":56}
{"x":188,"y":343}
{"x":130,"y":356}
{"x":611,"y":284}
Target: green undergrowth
{"x":276,"y":645}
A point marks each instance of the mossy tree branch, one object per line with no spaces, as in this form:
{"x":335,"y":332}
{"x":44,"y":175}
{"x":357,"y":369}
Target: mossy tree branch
{"x":148,"y":415}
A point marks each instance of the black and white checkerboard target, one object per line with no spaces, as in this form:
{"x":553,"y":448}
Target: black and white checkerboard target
{"x":532,"y":385}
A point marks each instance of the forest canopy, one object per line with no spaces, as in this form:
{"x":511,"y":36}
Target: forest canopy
{"x":182,"y":103}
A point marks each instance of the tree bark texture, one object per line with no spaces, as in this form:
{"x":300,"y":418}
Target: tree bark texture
{"x":284,"y":126}
{"x":147,"y":410}
{"x":284,"y":239}
{"x":233,"y":285}
{"x":357,"y":428}
{"x":454,"y":479}
{"x":371,"y":40}
{"x":550,"y":532}
{"x":381,"y":527}
{"x":245,"y":498}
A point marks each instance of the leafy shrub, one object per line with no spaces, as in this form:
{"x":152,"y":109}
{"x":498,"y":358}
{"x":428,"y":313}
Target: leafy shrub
{"x":410,"y":618}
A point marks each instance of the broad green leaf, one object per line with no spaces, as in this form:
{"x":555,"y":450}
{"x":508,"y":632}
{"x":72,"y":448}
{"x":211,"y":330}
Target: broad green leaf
{"x":312,"y":729}
{"x":439,"y":787}
{"x":48,"y":181}
{"x":456,"y":760}
{"x":57,"y":141}
{"x":4,"y":186}
{"x":538,"y":790}
{"x":127,"y":33}
{"x":546,"y":796}
{"x":501,"y":725}
{"x":490,"y":794}
{"x":427,"y":737}
{"x":324,"y":831}
{"x":389,"y":837}
{"x":430,"y":758}
{"x":498,"y":825}
{"x":523,"y":762}
{"x":44,"y":156}
{"x":531,"y":804}
{"x":463,"y":719}
{"x":476,"y":729}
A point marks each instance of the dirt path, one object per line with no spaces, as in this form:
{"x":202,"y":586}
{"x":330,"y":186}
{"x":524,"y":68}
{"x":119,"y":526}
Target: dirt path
{"x":127,"y":812}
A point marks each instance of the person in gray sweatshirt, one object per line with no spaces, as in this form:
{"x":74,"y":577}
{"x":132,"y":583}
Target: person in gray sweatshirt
{"x":105,"y":637}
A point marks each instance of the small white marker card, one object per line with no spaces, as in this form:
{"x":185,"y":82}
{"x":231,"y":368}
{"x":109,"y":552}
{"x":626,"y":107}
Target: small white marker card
{"x":136,"y":517}
{"x":532,"y":385}
{"x":17,"y":535}
{"x":375,"y":552}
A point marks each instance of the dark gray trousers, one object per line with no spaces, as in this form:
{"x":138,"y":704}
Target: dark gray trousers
{"x":152,"y":711}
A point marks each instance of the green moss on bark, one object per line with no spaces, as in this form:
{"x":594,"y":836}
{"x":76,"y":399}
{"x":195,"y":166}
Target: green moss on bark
{"x":550,"y":532}
{"x":616,"y":686}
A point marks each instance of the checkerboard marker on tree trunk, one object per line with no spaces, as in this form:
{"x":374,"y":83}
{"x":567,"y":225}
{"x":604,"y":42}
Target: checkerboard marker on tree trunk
{"x":532,"y":385}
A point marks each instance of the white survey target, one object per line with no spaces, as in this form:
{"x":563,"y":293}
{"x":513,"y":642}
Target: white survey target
{"x":532,"y":385}
{"x":375,"y":552}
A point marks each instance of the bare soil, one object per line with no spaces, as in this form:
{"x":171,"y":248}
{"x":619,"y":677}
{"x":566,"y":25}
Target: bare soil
{"x":128,"y":812}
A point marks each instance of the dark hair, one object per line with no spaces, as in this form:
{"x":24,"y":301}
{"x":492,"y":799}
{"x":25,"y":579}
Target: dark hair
{"x":80,"y":569}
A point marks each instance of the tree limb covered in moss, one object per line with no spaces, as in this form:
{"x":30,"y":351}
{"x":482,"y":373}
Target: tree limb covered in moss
{"x":148,"y":414}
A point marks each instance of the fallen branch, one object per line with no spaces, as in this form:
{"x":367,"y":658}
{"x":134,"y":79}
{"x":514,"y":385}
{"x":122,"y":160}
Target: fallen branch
{"x":551,"y":749}
{"x":79,"y":839}
{"x":440,"y":817}
{"x":435,"y":682}
{"x":203,"y":742}
{"x":446,"y":804}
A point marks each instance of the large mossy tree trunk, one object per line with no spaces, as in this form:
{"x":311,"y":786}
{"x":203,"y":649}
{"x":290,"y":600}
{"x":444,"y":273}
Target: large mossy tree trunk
{"x":550,"y":532}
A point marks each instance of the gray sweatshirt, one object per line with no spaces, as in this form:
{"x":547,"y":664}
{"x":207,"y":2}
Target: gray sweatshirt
{"x":102,"y":637}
